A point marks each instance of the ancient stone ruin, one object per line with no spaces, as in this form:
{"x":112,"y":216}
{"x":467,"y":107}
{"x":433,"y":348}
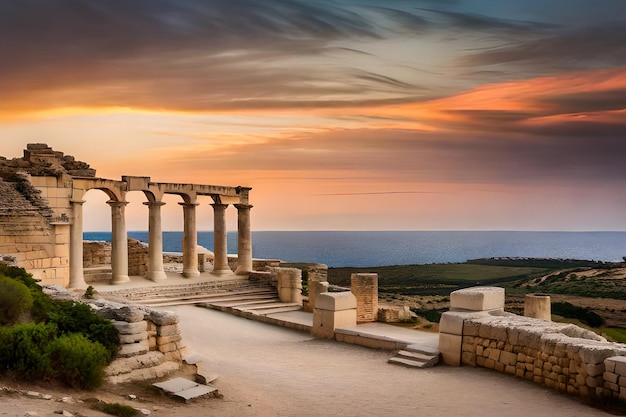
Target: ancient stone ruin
{"x":41,"y":219}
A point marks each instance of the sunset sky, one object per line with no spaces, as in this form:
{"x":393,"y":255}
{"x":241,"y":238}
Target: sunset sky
{"x":341,"y":115}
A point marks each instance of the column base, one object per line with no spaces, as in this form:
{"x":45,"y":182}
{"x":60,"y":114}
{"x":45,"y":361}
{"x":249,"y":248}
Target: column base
{"x":220,"y":272}
{"x":156,"y":276}
{"x":191,"y":273}
{"x":120,"y":279}
{"x":80,"y":285}
{"x":242,"y":271}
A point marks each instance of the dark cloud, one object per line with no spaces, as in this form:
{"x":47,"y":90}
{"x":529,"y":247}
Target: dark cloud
{"x":591,"y":101}
{"x":478,"y":22}
{"x":181,"y":54}
{"x":414,"y":157}
{"x":562,"y":49}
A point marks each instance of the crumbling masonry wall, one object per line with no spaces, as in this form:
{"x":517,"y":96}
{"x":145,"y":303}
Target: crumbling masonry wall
{"x":150,"y":342}
{"x":561,"y":356}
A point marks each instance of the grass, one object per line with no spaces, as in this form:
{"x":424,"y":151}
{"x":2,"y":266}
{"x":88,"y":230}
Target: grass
{"x":615,"y":333}
{"x":436,"y":279}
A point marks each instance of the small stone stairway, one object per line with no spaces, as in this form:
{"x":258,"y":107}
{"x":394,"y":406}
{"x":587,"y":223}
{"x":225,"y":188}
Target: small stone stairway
{"x":240,"y":297}
{"x":416,"y":356}
{"x":260,"y":303}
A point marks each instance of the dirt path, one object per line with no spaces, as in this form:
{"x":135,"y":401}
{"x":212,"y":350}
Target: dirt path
{"x":266,"y":370}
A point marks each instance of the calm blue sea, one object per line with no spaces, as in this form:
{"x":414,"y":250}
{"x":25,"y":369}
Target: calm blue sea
{"x":363,"y":249}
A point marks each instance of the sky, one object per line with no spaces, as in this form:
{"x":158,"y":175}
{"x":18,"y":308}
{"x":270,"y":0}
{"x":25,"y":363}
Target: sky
{"x":340,"y":114}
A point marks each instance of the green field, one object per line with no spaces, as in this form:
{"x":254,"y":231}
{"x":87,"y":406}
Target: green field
{"x":616,"y":333}
{"x":436,"y":279}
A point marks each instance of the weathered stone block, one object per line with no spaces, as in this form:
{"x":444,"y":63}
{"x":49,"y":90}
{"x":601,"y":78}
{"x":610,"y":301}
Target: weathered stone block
{"x":336,"y":301}
{"x":468,"y":358}
{"x":163,"y":318}
{"x":167,"y":330}
{"x":595,"y":369}
{"x":508,"y":358}
{"x":133,"y":349}
{"x":133,"y":338}
{"x":477,"y":299}
{"x":450,"y":348}
{"x":130,"y":328}
{"x":452,"y":323}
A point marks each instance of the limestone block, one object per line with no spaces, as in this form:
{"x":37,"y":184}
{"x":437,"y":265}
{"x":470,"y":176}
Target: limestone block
{"x":452,"y":323}
{"x":618,"y":365}
{"x":336,"y":301}
{"x":326,"y":321}
{"x":468,"y":358}
{"x":163,"y":318}
{"x":130,"y":328}
{"x":450,"y":347}
{"x":133,"y":338}
{"x":537,"y":306}
{"x":477,"y":299}
{"x":128,"y":314}
{"x":133,"y":349}
{"x":163,"y":340}
{"x":167,"y":330}
{"x":599,"y":352}
{"x":610,"y":377}
{"x":508,"y":358}
{"x":595,"y":369}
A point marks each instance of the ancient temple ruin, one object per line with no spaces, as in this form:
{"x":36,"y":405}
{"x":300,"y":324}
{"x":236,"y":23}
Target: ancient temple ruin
{"x":41,"y":218}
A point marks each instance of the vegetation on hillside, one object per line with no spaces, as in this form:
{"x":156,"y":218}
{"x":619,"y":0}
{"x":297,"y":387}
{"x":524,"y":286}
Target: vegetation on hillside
{"x":44,"y":339}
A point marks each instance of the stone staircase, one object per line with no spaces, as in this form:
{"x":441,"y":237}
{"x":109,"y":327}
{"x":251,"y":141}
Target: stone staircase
{"x":416,"y":356}
{"x":237,"y":296}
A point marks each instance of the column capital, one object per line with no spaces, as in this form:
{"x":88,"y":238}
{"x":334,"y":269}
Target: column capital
{"x":153,"y":203}
{"x":243,"y":206}
{"x":219,"y":205}
{"x":81,"y":202}
{"x":188,"y":204}
{"x":116,"y":203}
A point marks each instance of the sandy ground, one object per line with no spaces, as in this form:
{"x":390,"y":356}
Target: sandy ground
{"x":266,"y":370}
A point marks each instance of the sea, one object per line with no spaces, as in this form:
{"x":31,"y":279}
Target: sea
{"x":377,"y":248}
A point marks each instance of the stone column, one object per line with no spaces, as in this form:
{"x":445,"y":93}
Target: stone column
{"x":364,"y":286}
{"x":77,"y":279}
{"x":156,"y":271}
{"x":244,"y":239}
{"x":538,"y":306}
{"x":119,"y":242}
{"x":220,"y":243}
{"x":190,"y":241}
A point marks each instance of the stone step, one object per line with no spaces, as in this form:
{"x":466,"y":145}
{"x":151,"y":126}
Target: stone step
{"x":234,"y":300}
{"x":231,"y":295}
{"x":263,"y":308}
{"x":277,"y":309}
{"x":416,"y":356}
{"x":426,"y":350}
{"x":248,"y":302}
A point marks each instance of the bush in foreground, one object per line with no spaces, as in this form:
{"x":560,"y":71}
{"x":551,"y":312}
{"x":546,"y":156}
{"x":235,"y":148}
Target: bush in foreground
{"x":15,"y":300}
{"x":78,"y":361}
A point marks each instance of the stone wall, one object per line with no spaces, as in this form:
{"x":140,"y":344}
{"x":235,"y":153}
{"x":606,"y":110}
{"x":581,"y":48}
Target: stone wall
{"x":40,"y":248}
{"x":365,"y":289}
{"x":98,"y":254}
{"x":150,"y":342}
{"x":561,"y":356}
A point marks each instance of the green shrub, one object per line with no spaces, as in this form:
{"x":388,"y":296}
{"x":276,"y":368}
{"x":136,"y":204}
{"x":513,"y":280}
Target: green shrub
{"x":571,"y":311}
{"x":431,"y":315}
{"x":15,"y":300}
{"x":73,"y":317}
{"x":77,"y":361}
{"x":41,"y":302}
{"x":23,"y":350}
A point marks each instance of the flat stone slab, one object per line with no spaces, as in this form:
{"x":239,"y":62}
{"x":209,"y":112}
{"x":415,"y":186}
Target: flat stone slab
{"x":175,"y":385}
{"x":184,"y":388}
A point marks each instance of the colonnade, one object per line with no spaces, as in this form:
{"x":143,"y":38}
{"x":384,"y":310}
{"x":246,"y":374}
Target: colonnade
{"x":154,"y":192}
